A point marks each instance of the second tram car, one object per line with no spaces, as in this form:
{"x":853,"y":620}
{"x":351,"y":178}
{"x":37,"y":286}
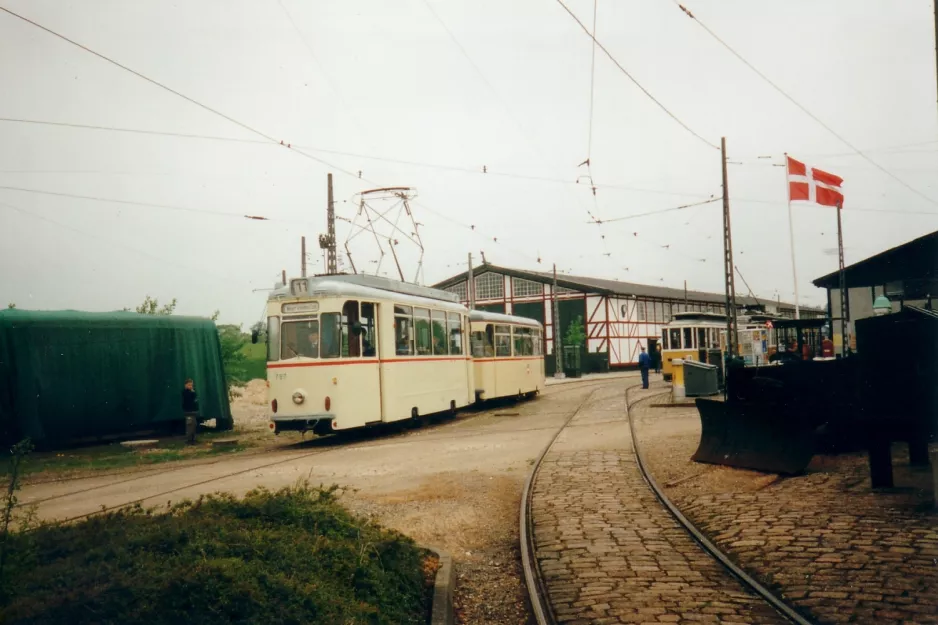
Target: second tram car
{"x":347,"y":351}
{"x":507,"y":355}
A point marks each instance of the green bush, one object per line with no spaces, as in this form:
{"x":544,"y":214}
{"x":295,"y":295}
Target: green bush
{"x":294,"y":556}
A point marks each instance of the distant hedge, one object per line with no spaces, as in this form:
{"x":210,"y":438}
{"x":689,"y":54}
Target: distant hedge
{"x":294,"y":556}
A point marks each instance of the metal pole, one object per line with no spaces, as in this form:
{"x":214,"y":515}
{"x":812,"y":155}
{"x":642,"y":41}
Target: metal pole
{"x":303,"y":257}
{"x":555,"y":325}
{"x":330,"y":225}
{"x":844,"y":298}
{"x":791,"y":237}
{"x":729,"y":278}
{"x":283,"y":276}
{"x":471,"y":286}
{"x":685,"y":295}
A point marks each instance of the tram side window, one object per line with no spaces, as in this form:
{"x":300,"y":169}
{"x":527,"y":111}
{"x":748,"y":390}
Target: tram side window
{"x":688,"y":338}
{"x":404,"y":330}
{"x":523,"y":344}
{"x":422,"y":330}
{"x":454,"y":325}
{"x":273,"y":339}
{"x":300,"y":338}
{"x":350,"y":320}
{"x":440,"y":344}
{"x":664,"y":339}
{"x":701,"y":338}
{"x":334,"y":337}
{"x":482,"y":343}
{"x":502,"y":341}
{"x":369,"y":336}
{"x":675,"y":341}
{"x":538,"y":342}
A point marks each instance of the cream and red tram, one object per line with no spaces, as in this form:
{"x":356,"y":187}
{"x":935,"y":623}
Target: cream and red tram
{"x":507,"y":354}
{"x":347,"y":351}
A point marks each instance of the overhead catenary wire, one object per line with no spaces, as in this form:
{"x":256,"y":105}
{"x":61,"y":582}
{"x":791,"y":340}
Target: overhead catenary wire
{"x":633,"y":79}
{"x":803,"y":108}
{"x":212,"y":110}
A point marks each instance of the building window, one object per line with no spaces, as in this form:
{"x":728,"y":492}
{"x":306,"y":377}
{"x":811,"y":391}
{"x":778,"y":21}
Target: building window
{"x":526,"y":288}
{"x":562,"y":290}
{"x":459,"y":290}
{"x":640,"y":311}
{"x":490,"y":286}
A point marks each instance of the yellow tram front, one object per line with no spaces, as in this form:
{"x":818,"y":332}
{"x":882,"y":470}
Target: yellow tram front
{"x":690,"y":336}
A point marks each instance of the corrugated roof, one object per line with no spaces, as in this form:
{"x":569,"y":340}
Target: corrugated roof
{"x":916,"y":260}
{"x":611,"y":287}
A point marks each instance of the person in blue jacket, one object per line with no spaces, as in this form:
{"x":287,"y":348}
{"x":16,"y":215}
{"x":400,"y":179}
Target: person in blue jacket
{"x":644,"y":363}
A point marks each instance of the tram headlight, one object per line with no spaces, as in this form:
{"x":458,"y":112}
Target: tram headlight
{"x":298,"y":398}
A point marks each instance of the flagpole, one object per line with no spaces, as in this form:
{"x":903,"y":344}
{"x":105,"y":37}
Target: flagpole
{"x":791,"y":234}
{"x":844,"y":299}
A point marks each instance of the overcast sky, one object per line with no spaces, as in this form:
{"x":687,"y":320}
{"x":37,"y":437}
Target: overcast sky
{"x":450,"y":88}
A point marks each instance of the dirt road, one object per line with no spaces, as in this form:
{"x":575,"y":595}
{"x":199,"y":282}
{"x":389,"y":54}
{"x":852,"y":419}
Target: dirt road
{"x":455,"y":485}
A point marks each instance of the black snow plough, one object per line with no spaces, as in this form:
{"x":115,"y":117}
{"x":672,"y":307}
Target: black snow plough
{"x":775,"y":419}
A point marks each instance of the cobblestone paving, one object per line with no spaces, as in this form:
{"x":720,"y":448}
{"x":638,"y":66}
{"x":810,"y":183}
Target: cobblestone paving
{"x":609,"y":552}
{"x":832,"y":546}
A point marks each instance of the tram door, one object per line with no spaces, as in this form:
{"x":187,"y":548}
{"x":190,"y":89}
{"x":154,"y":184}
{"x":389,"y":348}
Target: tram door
{"x":362,"y":388}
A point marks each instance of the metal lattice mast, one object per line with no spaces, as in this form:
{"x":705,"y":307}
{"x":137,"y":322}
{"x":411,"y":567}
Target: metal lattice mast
{"x":729,"y":278}
{"x":327,"y":241}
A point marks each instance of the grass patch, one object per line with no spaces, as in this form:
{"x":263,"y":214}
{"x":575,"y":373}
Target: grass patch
{"x":115,"y":456}
{"x":294,"y":556}
{"x":255,"y":361}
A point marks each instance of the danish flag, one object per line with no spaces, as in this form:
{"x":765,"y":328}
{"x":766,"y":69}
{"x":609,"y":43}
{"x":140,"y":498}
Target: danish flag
{"x":813,"y":185}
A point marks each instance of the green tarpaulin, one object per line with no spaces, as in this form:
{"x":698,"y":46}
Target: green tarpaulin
{"x":67,"y":375}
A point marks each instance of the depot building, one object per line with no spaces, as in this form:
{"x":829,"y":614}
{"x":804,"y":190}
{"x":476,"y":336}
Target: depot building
{"x":619,"y":318}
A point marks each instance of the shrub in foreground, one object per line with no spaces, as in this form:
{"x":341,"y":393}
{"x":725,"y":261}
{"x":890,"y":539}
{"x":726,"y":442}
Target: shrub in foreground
{"x":294,"y":556}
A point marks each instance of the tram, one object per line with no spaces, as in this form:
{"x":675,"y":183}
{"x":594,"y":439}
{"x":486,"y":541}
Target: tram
{"x":507,"y":355}
{"x":347,"y":351}
{"x":689,"y":333}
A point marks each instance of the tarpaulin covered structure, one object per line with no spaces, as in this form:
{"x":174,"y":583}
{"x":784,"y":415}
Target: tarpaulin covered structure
{"x":67,"y":375}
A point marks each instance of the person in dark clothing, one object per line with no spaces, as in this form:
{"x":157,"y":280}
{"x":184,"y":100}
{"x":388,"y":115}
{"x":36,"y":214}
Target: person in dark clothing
{"x":644,"y":363}
{"x":657,"y":357}
{"x":190,"y":408}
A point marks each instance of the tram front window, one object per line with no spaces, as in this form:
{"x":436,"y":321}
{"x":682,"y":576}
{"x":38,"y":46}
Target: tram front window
{"x":675,"y":341}
{"x":701,"y":338}
{"x":273,"y":339}
{"x":300,"y":339}
{"x":688,"y":338}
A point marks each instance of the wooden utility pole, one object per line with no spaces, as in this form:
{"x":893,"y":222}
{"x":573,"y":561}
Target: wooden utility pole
{"x":327,"y":241}
{"x":471,"y":286}
{"x":303,"y":256}
{"x":728,"y":274}
{"x":283,"y":274}
{"x":555,"y":325}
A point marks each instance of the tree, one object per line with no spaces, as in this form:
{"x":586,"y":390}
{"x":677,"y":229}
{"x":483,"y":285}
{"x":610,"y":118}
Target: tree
{"x":11,"y":305}
{"x":151,"y":306}
{"x":575,"y":333}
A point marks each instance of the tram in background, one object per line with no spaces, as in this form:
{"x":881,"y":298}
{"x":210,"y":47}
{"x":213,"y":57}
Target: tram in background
{"x":507,"y":355}
{"x":688,"y":334}
{"x":346,"y":351}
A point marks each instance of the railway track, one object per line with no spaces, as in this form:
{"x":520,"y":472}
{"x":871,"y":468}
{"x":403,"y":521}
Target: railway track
{"x":537,"y":587}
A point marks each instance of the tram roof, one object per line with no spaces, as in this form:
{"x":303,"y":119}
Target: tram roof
{"x":483,"y":315}
{"x":364,"y":287}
